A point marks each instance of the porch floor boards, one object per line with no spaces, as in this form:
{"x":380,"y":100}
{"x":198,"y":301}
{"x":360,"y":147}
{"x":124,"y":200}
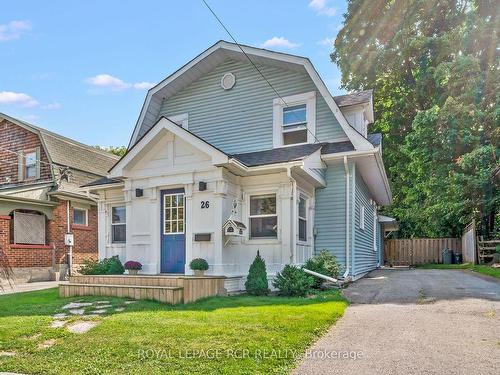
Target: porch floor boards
{"x":163,"y":288}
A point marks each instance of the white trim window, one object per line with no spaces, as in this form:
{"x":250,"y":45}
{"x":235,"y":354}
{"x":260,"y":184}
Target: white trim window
{"x":173,"y":211}
{"x":362,"y":217}
{"x":118,"y":224}
{"x":80,"y":216}
{"x":263,"y":216}
{"x":302,"y":213}
{"x":294,"y":119}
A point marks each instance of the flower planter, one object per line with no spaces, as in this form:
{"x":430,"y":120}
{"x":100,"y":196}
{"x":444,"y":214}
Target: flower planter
{"x":133,"y":272}
{"x":199,"y":273}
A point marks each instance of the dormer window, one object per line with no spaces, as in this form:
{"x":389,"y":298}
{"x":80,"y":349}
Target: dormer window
{"x":294,"y":119}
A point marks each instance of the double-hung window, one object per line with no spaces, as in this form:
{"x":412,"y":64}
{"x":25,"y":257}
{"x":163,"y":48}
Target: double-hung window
{"x":294,"y":119}
{"x":302,"y":219}
{"x":294,"y":125}
{"x":263,"y":216}
{"x":118,"y":224}
{"x":30,"y":165}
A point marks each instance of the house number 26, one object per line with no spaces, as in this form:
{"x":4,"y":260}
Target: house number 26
{"x":205,"y":204}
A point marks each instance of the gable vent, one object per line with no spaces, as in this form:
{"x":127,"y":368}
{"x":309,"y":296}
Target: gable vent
{"x":227,"y":81}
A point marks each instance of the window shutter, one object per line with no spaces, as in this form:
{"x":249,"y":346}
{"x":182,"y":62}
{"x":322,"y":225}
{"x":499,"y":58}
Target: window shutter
{"x":20,"y":166}
{"x":37,"y":163}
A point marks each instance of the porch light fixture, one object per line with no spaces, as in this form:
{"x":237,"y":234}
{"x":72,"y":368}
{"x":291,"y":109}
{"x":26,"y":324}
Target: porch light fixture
{"x":202,"y":186}
{"x":139,"y":193}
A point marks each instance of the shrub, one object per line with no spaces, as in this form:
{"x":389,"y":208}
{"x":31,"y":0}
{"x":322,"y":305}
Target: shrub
{"x":293,"y":281}
{"x":132,"y":265}
{"x":324,"y":263}
{"x":107,"y":266}
{"x":256,"y":283}
{"x":198,"y":264}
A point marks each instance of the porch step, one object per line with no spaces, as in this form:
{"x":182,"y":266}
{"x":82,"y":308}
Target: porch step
{"x":166,"y":294}
{"x":139,"y":280}
{"x":189,"y":288}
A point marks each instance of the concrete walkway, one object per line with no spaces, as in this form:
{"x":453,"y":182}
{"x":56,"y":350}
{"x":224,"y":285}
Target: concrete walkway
{"x":28,"y":287}
{"x":413,"y":322}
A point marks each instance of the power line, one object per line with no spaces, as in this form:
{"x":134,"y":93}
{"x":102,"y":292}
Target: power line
{"x":24,"y":156}
{"x":255,"y":66}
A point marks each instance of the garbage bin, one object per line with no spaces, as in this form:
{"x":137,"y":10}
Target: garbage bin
{"x":447,"y":256}
{"x":457,"y":258}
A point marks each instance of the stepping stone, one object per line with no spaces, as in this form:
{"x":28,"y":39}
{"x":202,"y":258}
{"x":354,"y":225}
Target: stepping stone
{"x":119,"y":309}
{"x":77,"y":311}
{"x":104,"y":306}
{"x":58,"y":323}
{"x":7,"y":354}
{"x":35,"y":336}
{"x":129,"y":302}
{"x":99,"y":311}
{"x":60,"y":316}
{"x":101,"y":302}
{"x":75,"y":305}
{"x":47,"y":344}
{"x":81,"y":327}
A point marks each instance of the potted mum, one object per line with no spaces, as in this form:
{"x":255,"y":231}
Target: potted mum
{"x":199,"y":266}
{"x":133,"y":267}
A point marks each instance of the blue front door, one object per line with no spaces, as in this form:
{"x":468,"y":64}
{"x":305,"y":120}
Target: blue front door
{"x":173,"y":237}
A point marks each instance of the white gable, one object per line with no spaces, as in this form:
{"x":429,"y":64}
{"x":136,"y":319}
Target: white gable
{"x":167,"y":149}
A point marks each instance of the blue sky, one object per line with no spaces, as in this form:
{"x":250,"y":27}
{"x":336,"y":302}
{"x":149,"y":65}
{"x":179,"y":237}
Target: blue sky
{"x":82,"y":68}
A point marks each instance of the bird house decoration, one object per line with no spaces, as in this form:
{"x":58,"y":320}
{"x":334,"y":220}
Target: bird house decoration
{"x":234,"y":228}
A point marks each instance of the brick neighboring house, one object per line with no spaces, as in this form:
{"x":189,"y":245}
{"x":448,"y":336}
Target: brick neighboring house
{"x":40,"y":175}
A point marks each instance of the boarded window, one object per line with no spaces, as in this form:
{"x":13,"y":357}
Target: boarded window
{"x":29,"y":228}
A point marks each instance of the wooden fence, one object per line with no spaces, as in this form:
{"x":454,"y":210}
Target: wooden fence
{"x":404,"y":252}
{"x":469,"y":244}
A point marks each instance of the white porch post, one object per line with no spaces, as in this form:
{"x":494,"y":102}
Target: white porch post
{"x":188,"y":226}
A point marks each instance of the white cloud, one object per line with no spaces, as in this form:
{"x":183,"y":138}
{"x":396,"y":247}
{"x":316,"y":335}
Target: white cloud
{"x":13,"y":30}
{"x":108,"y":81}
{"x":143,"y":85}
{"x":19,"y":98}
{"x":29,"y":117}
{"x":55,"y":105}
{"x":279,"y":42}
{"x":322,"y":8}
{"x":327,"y":42}
{"x":116,"y":84}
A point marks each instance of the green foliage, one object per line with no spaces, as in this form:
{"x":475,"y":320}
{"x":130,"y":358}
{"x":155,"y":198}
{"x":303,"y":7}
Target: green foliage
{"x":324,"y":263}
{"x":293,"y":281}
{"x":437,"y":102}
{"x":199,"y":264}
{"x":257,"y":283}
{"x":107,"y":266}
{"x":115,"y":150}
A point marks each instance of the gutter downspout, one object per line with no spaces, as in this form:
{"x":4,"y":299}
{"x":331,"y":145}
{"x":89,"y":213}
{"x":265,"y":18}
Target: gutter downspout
{"x":347,"y":244}
{"x":293,"y":209}
{"x":70,"y":257}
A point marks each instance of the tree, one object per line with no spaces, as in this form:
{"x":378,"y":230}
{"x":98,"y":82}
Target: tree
{"x":115,"y":150}
{"x":257,"y":283}
{"x":434,"y":66}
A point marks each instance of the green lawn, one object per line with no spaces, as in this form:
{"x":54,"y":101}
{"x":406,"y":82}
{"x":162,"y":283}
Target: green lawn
{"x":229,"y":335}
{"x":485,"y":270}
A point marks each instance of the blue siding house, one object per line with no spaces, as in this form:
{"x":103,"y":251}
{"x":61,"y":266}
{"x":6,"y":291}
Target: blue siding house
{"x":223,"y":163}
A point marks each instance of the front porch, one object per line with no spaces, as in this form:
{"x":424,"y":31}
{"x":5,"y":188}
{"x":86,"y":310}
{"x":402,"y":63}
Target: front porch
{"x":171,"y":289}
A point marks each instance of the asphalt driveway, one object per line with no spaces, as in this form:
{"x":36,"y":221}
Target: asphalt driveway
{"x":413,"y":322}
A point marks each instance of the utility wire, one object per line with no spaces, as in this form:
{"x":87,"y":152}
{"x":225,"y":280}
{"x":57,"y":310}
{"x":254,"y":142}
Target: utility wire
{"x":255,"y":66}
{"x":24,"y":156}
